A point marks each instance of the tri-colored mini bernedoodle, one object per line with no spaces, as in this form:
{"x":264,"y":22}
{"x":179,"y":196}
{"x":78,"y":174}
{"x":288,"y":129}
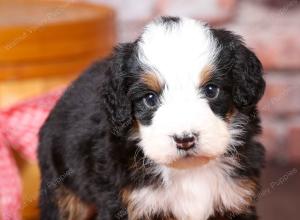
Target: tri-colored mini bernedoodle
{"x":163,"y":129}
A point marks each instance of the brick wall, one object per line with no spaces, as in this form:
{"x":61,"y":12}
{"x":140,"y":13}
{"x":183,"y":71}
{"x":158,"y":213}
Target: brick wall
{"x":271,"y":28}
{"x":134,"y":14}
{"x":280,"y":110}
{"x":272,"y":31}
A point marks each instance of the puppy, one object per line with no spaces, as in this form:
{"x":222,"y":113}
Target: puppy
{"x":163,"y":129}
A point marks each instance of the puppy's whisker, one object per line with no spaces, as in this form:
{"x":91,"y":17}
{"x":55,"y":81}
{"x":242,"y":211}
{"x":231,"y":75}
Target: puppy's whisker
{"x":136,"y":153}
{"x":233,"y":151}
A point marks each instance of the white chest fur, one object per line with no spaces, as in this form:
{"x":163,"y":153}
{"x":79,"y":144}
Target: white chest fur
{"x":193,"y":194}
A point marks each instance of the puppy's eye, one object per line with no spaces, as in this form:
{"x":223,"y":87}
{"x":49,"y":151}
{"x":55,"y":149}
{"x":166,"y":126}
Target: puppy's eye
{"x":211,"y":91}
{"x":151,"y":100}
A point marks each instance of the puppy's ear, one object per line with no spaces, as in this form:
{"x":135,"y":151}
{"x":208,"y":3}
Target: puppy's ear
{"x":117,"y":104}
{"x":247,"y":76}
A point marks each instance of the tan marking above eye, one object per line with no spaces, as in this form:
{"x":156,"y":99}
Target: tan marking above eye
{"x":205,"y":75}
{"x":152,"y":81}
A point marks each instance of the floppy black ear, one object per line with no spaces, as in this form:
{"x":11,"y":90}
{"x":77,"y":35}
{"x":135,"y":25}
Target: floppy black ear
{"x":247,"y":76}
{"x":117,"y":104}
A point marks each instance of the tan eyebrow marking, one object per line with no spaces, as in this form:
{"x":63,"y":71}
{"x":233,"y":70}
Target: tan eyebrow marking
{"x":152,"y":81}
{"x":205,"y":75}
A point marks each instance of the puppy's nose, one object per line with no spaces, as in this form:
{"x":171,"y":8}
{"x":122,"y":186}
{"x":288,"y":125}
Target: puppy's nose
{"x":184,"y":142}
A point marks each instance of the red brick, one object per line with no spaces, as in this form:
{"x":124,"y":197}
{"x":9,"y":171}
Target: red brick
{"x":212,"y":11}
{"x":279,"y":49}
{"x":273,"y":137}
{"x":293,"y":141}
{"x":281,"y":97}
{"x":273,"y":34}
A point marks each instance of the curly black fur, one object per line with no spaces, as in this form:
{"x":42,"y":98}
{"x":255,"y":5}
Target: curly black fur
{"x":85,"y":141}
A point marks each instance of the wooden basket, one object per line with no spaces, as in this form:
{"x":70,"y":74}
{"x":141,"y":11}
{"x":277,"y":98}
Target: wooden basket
{"x":44,"y":44}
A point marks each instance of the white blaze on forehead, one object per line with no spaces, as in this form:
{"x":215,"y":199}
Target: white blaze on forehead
{"x":177,"y":51}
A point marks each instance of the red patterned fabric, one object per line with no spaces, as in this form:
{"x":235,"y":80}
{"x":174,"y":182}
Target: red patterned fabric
{"x":19,"y":127}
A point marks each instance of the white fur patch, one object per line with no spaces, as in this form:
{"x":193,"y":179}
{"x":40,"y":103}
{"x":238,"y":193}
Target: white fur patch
{"x":178,"y":54}
{"x":193,"y":194}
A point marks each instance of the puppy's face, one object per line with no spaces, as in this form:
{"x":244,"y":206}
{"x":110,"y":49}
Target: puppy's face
{"x":175,"y":115}
{"x":189,"y":85}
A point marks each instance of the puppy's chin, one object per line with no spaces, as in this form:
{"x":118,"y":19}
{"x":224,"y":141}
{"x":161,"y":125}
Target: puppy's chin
{"x":190,"y":162}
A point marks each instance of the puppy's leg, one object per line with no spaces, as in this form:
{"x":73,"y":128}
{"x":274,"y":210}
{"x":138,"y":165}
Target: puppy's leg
{"x":59,"y":203}
{"x":111,"y":208}
{"x":48,"y":207}
{"x":112,"y":215}
{"x":245,"y":217}
{"x":72,"y":207}
{"x":107,"y":216}
{"x":250,"y":216}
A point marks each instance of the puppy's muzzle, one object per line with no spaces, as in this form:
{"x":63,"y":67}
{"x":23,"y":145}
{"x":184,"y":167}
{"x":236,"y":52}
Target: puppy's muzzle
{"x":185,"y":142}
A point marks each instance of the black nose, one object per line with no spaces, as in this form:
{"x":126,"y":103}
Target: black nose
{"x":185,"y":142}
